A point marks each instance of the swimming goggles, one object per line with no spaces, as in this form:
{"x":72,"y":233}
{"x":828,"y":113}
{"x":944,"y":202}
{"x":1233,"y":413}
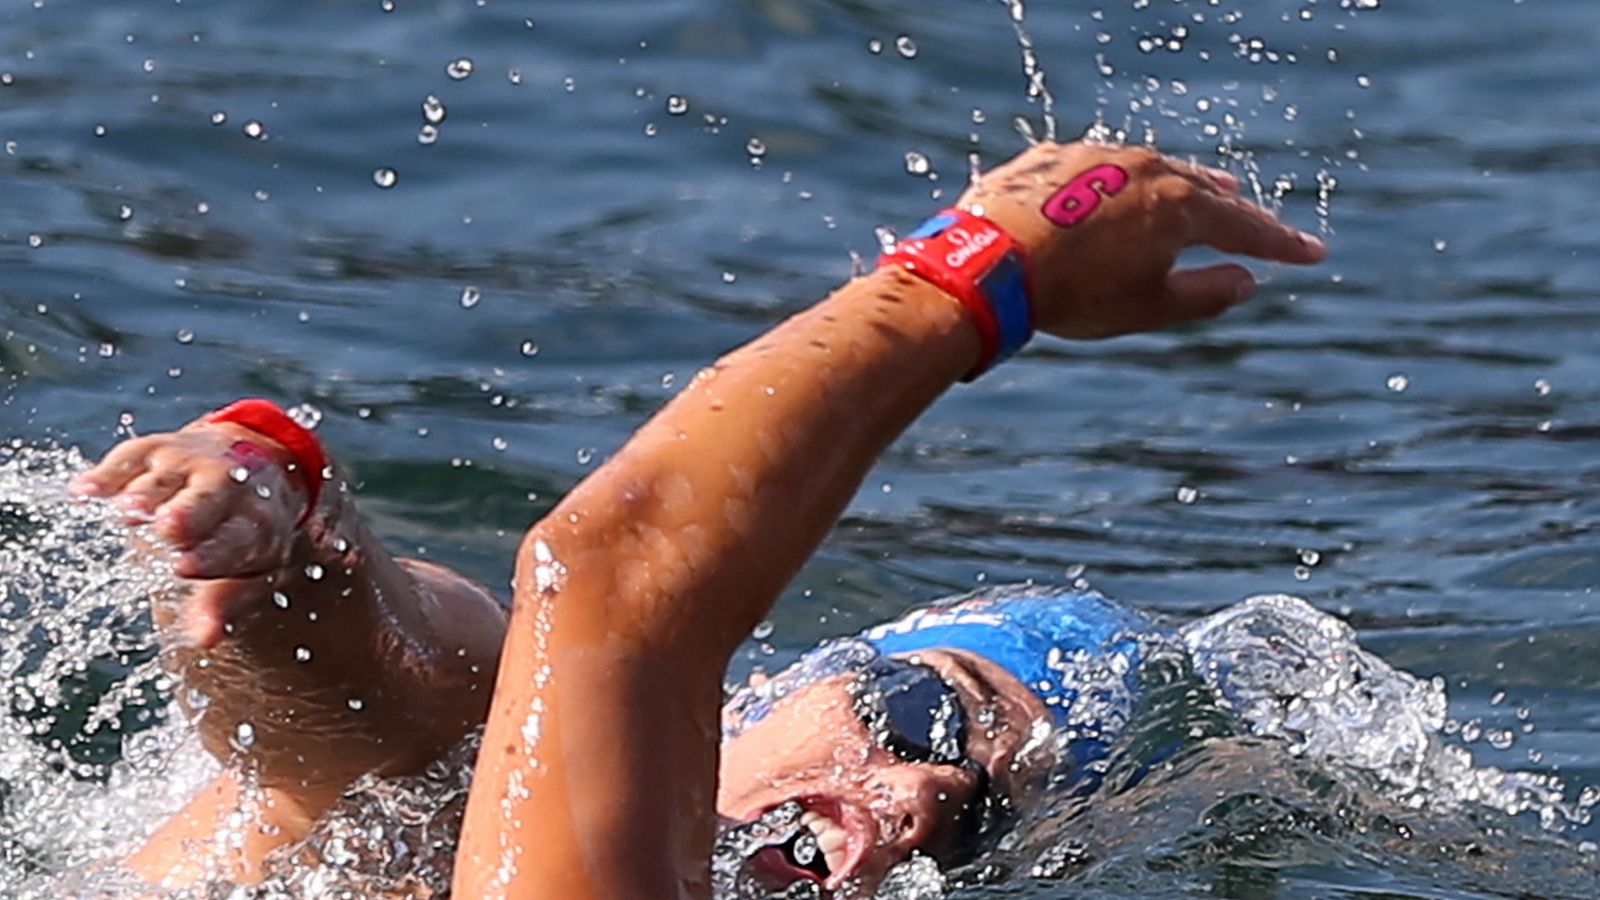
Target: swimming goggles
{"x":916,"y":715}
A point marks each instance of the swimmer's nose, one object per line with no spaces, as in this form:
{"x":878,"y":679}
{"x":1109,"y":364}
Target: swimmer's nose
{"x":928,"y":802}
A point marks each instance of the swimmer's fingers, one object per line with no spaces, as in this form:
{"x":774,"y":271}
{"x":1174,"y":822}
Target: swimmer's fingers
{"x":121,"y":464}
{"x":252,"y":541}
{"x":140,"y":497}
{"x":194,"y":513}
{"x":1220,"y":180}
{"x":1230,"y":223}
{"x":210,"y":609}
{"x":1193,"y":294}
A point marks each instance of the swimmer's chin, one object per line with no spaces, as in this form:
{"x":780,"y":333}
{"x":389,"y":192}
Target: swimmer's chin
{"x":844,"y":835}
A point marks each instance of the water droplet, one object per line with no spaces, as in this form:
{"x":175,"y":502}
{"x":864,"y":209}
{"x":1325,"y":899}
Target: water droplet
{"x":756,"y":148}
{"x":514,"y":76}
{"x":302,"y":654}
{"x":219,"y":118}
{"x":255,"y":130}
{"x":355,"y":703}
{"x":99,"y":130}
{"x":427,"y":135}
{"x":668,"y":379}
{"x":35,"y":240}
{"x":244,"y":736}
{"x":570,"y":83}
{"x":1302,"y":573}
{"x":1398,"y":382}
{"x":1310,"y":557}
{"x":585,"y":456}
{"x":125,"y":212}
{"x":529,"y":348}
{"x":875,"y":46}
{"x":1440,"y":245}
{"x":459,"y":69}
{"x":315,"y":572}
{"x":906,"y":46}
{"x":1541,"y":387}
{"x":280,"y":599}
{"x":470,"y":297}
{"x":185,"y":336}
{"x":499,"y":443}
{"x":762,"y":631}
{"x":677,"y":105}
{"x":650,"y":129}
{"x":149,"y":65}
{"x":1187,"y":495}
{"x":385,"y":177}
{"x":917,"y":164}
{"x":108,"y":350}
{"x":386,"y":5}
{"x":305,"y":415}
{"x":239,"y":474}
{"x":1363,"y":81}
{"x":433,"y":110}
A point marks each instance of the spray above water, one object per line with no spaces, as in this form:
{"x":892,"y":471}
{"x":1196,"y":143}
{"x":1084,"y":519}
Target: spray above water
{"x":89,"y":758}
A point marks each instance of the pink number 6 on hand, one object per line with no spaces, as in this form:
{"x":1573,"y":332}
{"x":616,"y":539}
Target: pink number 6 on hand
{"x":1073,"y":203}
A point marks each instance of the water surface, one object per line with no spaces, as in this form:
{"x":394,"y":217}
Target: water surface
{"x":620,"y":191}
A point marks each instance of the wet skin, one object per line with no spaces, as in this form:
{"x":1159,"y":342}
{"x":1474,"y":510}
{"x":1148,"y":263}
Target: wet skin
{"x":812,"y":748}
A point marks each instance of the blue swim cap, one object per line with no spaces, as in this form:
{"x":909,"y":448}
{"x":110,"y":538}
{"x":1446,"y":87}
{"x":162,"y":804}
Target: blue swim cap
{"x":1067,"y":646}
{"x":1076,"y":650}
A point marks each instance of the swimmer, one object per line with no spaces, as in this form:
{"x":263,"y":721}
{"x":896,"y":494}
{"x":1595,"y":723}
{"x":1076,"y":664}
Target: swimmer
{"x":309,"y":656}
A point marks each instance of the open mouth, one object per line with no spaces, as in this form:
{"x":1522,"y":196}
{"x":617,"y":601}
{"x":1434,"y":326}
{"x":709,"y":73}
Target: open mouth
{"x":827,"y":849}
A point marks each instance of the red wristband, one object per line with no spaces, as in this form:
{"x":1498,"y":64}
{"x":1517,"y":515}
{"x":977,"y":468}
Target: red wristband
{"x":268,"y":420}
{"x":975,"y":261}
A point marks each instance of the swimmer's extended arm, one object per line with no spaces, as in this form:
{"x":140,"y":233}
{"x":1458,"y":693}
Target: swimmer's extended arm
{"x":308,"y":656}
{"x":597,"y":774}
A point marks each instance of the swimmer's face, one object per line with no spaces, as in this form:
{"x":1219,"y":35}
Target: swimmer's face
{"x":868,"y":806}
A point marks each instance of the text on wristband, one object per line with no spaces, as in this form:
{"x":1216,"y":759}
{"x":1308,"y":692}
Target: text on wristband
{"x":968,"y":244}
{"x":1082,"y":195}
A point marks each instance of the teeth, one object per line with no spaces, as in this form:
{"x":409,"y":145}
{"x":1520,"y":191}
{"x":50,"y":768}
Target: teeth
{"x":830,"y":839}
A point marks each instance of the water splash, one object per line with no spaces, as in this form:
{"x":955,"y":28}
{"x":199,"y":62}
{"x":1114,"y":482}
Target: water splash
{"x":1295,"y":674}
{"x":737,"y":842}
{"x":1038,"y":90}
{"x":89,"y":758}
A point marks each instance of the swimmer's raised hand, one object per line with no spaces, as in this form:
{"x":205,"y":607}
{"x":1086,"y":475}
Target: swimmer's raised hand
{"x":220,"y":494}
{"x":1103,"y":226}
{"x":308,"y":655}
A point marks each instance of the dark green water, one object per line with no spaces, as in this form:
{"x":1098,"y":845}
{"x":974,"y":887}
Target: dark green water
{"x":1406,"y":436}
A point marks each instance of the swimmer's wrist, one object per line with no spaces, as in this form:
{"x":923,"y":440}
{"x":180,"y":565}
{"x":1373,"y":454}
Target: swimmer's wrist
{"x":975,"y":261}
{"x":306,"y":461}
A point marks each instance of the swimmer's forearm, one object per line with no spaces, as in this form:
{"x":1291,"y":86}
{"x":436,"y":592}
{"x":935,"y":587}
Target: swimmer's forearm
{"x":328,"y":667}
{"x":693,"y":528}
